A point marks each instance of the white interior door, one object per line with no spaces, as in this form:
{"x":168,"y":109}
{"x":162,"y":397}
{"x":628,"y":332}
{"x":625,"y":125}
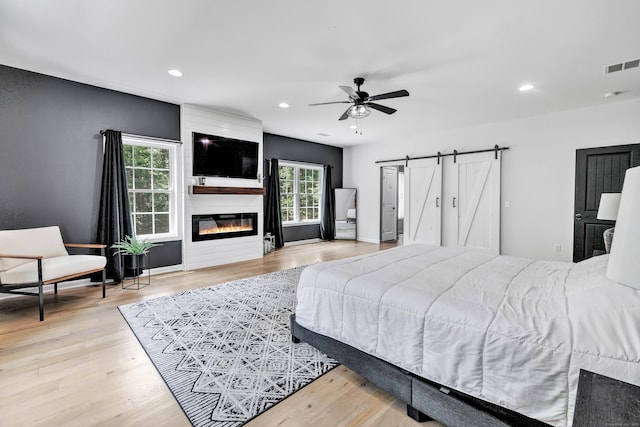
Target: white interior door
{"x":389,"y":200}
{"x":472,"y":207}
{"x":423,"y":202}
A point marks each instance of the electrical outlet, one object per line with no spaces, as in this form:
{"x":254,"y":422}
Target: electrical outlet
{"x":507,"y":204}
{"x":558,"y":248}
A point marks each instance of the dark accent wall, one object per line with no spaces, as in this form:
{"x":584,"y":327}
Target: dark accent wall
{"x":285,"y":148}
{"x":51,"y":149}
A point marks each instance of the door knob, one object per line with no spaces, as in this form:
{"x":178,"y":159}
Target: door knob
{"x":578,"y":217}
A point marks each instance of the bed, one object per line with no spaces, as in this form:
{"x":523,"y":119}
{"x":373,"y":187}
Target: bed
{"x":465,"y":336}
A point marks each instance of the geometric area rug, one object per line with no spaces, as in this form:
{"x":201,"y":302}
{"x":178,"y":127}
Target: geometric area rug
{"x":225,"y":351}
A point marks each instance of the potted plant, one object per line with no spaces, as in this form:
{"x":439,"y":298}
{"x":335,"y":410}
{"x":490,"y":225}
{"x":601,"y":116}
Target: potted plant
{"x":135,"y":250}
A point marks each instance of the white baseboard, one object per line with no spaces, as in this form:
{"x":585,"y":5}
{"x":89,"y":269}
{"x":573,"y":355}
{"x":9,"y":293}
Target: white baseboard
{"x":84,"y":282}
{"x":302,"y":242}
{"x":376,"y":241}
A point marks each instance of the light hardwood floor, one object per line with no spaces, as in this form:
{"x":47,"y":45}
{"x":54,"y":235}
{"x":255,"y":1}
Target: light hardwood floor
{"x":83,"y":366}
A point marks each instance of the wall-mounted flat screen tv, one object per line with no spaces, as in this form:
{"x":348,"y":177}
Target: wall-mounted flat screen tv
{"x":224,"y":157}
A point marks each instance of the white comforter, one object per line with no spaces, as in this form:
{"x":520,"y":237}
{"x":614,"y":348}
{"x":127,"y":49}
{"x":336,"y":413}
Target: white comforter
{"x":508,"y":330}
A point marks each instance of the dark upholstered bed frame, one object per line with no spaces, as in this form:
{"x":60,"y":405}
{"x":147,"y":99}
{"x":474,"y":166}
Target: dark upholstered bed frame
{"x":425,"y":400}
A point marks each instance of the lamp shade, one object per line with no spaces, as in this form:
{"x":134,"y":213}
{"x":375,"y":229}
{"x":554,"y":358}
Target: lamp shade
{"x":624,"y":260}
{"x":609,"y":203}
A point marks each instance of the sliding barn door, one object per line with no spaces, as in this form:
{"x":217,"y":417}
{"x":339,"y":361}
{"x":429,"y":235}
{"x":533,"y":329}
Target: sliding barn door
{"x":471,"y":209}
{"x":423,"y":202}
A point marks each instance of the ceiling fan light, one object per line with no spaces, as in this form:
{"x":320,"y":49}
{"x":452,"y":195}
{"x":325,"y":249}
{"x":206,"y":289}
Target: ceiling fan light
{"x":359,"y":111}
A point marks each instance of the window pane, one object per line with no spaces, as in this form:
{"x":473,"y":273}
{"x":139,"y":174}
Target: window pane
{"x":141,"y":157}
{"x":286,"y":173}
{"x":161,"y":202}
{"x":131,"y":204}
{"x":162,"y":223}
{"x":160,"y":158}
{"x":143,"y":202}
{"x":160,"y":180}
{"x":287,"y":214}
{"x":127,"y":153}
{"x":144,"y":223}
{"x":142,"y":179}
{"x":129,"y":178}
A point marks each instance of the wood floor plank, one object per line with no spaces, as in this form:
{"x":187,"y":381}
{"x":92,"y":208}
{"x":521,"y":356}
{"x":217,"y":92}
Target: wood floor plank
{"x":83,"y":366}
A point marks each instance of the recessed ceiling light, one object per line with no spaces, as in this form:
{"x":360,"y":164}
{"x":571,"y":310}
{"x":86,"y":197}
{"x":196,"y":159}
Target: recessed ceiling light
{"x":525,"y":88}
{"x":283,"y":105}
{"x":353,"y":127}
{"x":613,"y":94}
{"x":175,"y":73}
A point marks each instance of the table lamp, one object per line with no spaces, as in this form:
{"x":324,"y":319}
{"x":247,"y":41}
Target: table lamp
{"x":608,"y":209}
{"x":624,"y":260}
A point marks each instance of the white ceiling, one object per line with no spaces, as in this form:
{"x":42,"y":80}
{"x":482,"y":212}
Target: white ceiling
{"x":462,"y":61}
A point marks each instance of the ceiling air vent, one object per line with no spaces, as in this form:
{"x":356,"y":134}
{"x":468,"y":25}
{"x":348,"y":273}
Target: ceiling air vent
{"x":631,"y":64}
{"x":634,"y":63}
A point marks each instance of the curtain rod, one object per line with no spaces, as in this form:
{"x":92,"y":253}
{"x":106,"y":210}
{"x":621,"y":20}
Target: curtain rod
{"x":297,"y":161}
{"x":175,"y":141}
{"x":455,"y":154}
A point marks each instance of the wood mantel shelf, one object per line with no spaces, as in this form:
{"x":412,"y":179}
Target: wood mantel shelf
{"x":203,"y":189}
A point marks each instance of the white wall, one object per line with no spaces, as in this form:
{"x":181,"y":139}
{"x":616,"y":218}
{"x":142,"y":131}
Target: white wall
{"x":537,"y":171}
{"x":216,"y":252}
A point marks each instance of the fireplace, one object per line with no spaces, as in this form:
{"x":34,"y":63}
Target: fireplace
{"x":223,"y":226}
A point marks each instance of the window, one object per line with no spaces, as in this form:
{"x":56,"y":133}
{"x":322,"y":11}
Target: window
{"x":151,"y":178}
{"x":300,"y":192}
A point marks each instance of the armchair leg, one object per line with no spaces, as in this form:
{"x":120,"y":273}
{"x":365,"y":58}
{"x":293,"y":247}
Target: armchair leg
{"x":104,"y":279}
{"x":40,"y":290}
{"x":41,"y":300}
{"x":104,"y":273}
{"x":55,"y":288}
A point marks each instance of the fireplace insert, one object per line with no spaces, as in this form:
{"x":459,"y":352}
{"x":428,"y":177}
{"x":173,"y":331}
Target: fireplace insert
{"x":223,"y":226}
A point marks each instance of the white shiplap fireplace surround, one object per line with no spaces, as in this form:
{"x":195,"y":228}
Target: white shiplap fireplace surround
{"x":224,"y":251}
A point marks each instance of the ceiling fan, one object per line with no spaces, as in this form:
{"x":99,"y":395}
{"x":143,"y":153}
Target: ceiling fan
{"x":362,"y":102}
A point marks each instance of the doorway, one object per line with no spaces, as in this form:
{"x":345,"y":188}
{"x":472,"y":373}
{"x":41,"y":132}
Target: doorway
{"x":598,"y":170}
{"x":388,"y":203}
{"x":401,"y":203}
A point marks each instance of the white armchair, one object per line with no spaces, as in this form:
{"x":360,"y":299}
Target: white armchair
{"x":36,"y":257}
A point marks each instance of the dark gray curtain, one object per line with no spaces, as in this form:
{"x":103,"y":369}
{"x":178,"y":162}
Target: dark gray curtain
{"x":328,"y":208}
{"x":114,"y":218}
{"x":272,"y":218}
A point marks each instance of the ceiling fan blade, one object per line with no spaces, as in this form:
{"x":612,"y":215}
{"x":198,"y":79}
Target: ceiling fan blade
{"x":381,"y":108}
{"x":352,"y":93}
{"x":345,"y":115}
{"x":395,"y":94}
{"x":327,"y":103}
